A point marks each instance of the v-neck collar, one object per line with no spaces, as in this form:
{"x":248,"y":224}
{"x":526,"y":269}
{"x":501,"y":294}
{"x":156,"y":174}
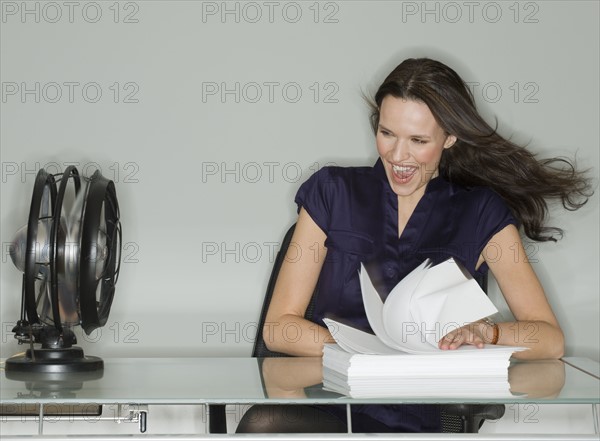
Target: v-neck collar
{"x":410,"y":235}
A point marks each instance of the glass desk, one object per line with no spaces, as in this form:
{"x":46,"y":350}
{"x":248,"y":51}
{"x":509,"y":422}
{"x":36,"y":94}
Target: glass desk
{"x":184,"y":381}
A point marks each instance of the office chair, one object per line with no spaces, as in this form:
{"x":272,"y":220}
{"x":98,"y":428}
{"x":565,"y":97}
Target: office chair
{"x":456,"y":418}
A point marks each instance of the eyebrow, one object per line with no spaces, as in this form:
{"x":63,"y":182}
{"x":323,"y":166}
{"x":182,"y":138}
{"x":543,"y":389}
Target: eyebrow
{"x":381,"y":126}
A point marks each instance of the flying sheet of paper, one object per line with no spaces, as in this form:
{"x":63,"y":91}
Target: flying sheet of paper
{"x":355,"y":341}
{"x":422,"y":308}
{"x":445,"y":299}
{"x":375,"y":309}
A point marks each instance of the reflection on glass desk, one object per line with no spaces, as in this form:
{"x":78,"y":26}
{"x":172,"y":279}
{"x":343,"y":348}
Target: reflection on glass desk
{"x":270,"y":380}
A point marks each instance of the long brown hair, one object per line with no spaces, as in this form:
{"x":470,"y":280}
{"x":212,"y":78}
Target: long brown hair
{"x":480,"y":156}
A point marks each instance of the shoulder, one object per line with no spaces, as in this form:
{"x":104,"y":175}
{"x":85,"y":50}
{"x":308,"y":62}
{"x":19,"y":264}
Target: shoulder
{"x":484,"y":212}
{"x":476,"y":199}
{"x":336,"y":182}
{"x":336,"y":194}
{"x":463,"y":221}
{"x":341,"y":175}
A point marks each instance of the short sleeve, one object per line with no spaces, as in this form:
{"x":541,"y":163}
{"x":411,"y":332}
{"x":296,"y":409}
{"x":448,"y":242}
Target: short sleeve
{"x":494,"y":216}
{"x":315,"y":196}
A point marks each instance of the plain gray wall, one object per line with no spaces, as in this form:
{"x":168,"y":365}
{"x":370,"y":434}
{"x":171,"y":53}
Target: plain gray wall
{"x":208,"y":116}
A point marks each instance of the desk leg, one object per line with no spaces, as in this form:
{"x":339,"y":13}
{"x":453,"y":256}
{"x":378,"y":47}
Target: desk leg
{"x":216,"y":418}
{"x":596,"y":418}
{"x":41,"y":420}
{"x":143,"y":421}
{"x":349,"y":418}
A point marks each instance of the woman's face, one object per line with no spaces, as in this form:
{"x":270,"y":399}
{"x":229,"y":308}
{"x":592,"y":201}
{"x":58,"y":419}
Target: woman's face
{"x":410,"y":143}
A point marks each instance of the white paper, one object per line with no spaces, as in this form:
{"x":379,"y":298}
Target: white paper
{"x":374,"y":307}
{"x":427,"y":304}
{"x":356,"y":341}
{"x":402,"y":359}
{"x":464,"y":372}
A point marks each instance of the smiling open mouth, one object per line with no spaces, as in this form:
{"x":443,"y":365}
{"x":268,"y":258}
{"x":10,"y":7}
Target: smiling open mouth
{"x":403,"y":173}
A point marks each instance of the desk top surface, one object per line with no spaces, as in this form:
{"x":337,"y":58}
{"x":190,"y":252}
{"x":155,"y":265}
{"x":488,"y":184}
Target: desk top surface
{"x":273,"y":380}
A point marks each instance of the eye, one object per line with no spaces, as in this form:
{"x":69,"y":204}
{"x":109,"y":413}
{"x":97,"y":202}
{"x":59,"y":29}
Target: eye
{"x":419,"y":141}
{"x":385,"y":132}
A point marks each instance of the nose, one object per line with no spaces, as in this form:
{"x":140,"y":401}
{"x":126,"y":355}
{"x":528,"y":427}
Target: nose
{"x":400,"y":152}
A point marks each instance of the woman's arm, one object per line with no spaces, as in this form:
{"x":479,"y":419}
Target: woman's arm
{"x":285,"y":328}
{"x":536,"y":326}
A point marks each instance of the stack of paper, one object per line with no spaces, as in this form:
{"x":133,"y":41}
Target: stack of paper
{"x":465,"y":372}
{"x":402,"y":358}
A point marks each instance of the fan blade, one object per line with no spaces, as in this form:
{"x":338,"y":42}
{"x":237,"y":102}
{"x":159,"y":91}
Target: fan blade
{"x":68,"y":257}
{"x":43,"y":301}
{"x":45,"y":206}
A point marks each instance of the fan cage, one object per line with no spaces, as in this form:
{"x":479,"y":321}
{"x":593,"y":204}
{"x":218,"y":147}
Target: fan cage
{"x":97,"y":248}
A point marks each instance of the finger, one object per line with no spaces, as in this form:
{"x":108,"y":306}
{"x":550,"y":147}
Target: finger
{"x":456,"y":343}
{"x":478,"y":342}
{"x":474,"y":340}
{"x":446,"y":340}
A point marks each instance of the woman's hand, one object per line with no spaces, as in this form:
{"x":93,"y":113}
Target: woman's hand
{"x":477,"y":334}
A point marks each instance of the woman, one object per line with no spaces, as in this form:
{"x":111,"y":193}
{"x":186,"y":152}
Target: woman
{"x":446,"y":185}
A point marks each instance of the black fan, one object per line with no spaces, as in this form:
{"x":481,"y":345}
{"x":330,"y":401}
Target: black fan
{"x":70,"y":261}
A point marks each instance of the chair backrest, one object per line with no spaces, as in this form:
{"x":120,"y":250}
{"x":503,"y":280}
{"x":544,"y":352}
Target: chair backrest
{"x":483,"y":281}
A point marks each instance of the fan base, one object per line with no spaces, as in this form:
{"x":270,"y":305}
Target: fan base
{"x":53,"y":361}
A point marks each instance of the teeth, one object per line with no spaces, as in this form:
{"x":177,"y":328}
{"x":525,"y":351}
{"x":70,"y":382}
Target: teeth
{"x":399,"y":169}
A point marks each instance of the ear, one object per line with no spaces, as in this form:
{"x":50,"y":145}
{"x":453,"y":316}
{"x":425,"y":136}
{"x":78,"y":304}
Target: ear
{"x":450,"y":140}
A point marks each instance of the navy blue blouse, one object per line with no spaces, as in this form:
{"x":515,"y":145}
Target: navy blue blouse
{"x":358,"y":211}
